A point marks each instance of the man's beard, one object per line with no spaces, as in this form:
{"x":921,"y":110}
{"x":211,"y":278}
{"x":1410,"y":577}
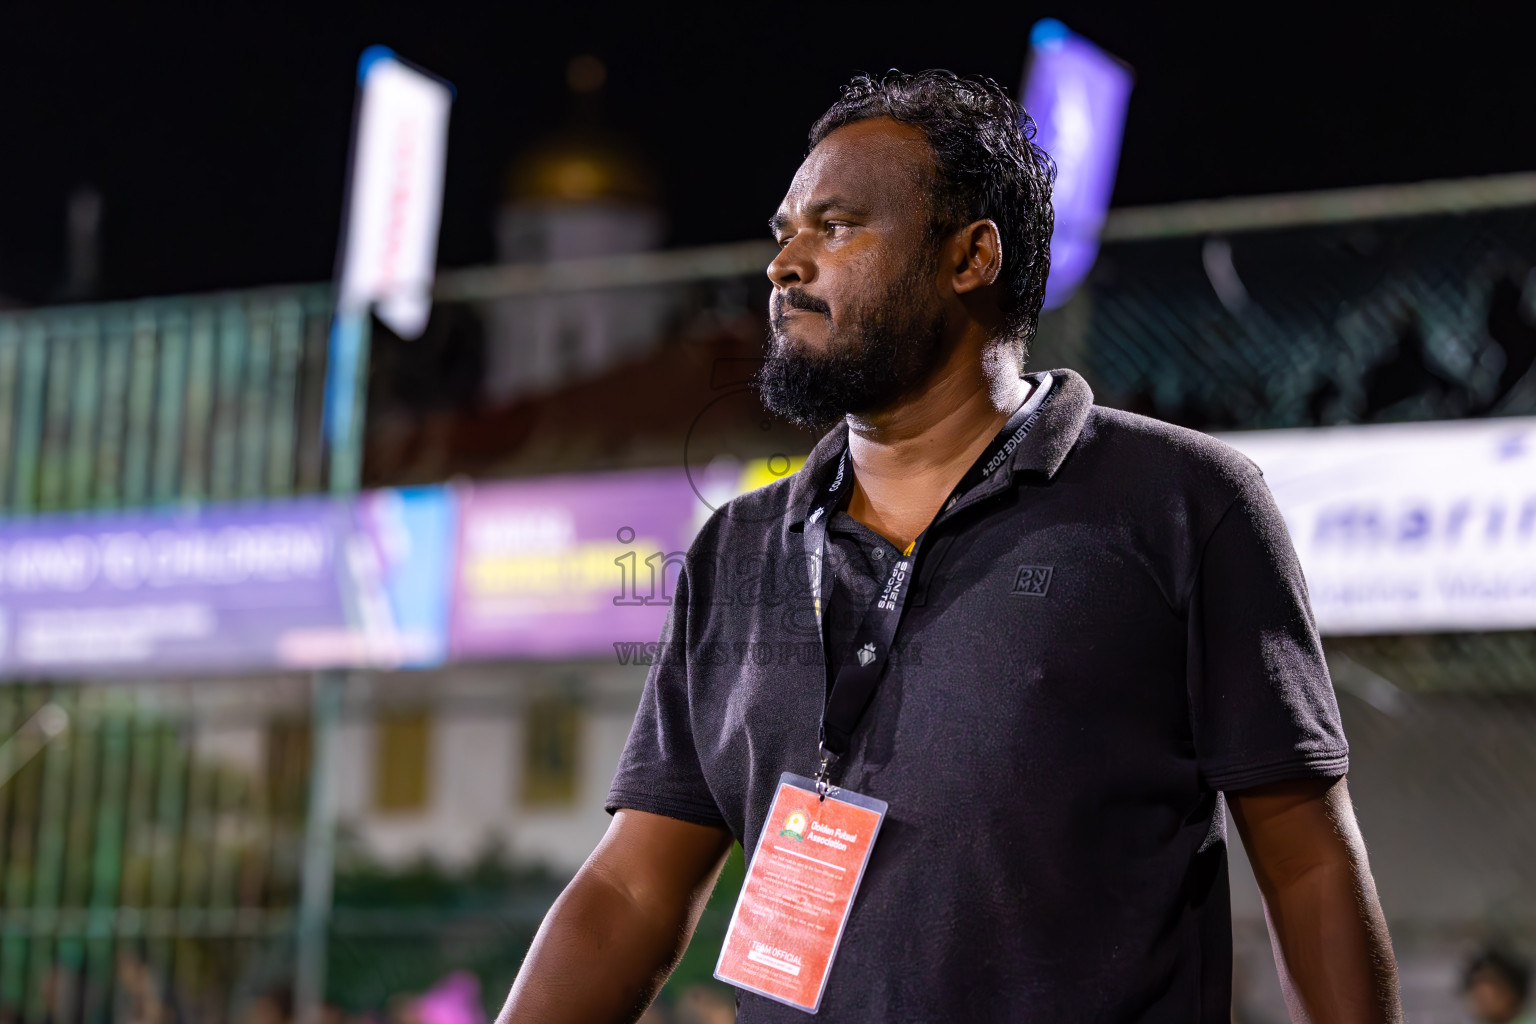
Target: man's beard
{"x":885,"y":352}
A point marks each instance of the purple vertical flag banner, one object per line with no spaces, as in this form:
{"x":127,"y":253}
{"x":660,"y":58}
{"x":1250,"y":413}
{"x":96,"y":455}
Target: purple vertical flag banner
{"x":574,"y":566}
{"x":1077,"y":95}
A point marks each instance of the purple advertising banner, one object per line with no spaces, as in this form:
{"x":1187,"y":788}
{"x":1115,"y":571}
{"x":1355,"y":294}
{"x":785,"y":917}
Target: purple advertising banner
{"x":575,"y":566}
{"x":1077,"y":95}
{"x":307,"y":583}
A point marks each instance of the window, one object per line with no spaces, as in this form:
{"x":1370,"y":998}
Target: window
{"x":402,"y":754}
{"x":551,"y":752}
{"x":289,"y":755}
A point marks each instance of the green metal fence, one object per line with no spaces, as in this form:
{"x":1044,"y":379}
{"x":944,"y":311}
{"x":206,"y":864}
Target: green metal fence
{"x":126,"y":864}
{"x":129,"y":862}
{"x":125,"y":405}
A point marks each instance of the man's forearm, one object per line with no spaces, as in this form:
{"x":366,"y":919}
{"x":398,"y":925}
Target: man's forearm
{"x":598,"y":957}
{"x":620,"y":927}
{"x":1331,"y":943}
{"x":1332,"y":948}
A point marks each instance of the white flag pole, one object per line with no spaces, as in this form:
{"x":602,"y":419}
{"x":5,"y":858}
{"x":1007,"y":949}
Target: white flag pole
{"x":385,"y":264}
{"x":388,"y":253}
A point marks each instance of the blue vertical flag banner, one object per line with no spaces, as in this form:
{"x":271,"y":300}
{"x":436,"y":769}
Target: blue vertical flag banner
{"x":1077,"y":95}
{"x":343,"y":369}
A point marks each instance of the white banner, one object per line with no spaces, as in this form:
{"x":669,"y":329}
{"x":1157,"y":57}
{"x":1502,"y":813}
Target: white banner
{"x":1414,"y":527}
{"x":396,"y":192}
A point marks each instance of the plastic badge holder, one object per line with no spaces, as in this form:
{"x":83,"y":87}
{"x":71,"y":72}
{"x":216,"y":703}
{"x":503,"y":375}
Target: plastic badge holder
{"x":800,"y":886}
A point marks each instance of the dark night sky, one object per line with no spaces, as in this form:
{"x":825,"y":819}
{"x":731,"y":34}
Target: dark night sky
{"x":219,"y":139}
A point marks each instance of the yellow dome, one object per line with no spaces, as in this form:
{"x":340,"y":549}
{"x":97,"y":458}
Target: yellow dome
{"x":581,"y":168}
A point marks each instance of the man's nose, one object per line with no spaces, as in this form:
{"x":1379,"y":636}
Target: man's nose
{"x":792,"y":265}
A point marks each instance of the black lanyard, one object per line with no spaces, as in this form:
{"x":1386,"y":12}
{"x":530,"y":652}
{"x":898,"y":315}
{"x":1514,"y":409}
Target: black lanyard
{"x":856,"y":681}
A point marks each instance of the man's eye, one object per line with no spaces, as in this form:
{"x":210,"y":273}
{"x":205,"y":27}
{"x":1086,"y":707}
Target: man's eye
{"x":835,"y":229}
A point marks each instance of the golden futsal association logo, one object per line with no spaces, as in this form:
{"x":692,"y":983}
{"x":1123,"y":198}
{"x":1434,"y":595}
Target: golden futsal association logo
{"x":794,"y":826}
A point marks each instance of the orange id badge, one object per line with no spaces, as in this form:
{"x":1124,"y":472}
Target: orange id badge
{"x":799,"y":889}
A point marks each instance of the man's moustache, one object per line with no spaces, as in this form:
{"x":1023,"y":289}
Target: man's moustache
{"x":793,"y":299}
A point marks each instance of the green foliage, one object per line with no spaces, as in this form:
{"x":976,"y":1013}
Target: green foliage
{"x":481,"y":918}
{"x":396,"y":932}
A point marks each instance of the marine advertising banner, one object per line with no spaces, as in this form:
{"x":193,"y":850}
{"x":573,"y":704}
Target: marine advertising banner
{"x":305,"y":583}
{"x":1426,"y":527}
{"x":1413,"y":527}
{"x":572,"y":566}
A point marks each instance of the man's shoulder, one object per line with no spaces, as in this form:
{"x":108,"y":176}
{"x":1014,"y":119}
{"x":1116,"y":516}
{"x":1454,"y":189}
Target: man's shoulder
{"x":762,"y":517}
{"x":752,"y":519}
{"x":1145,"y":447}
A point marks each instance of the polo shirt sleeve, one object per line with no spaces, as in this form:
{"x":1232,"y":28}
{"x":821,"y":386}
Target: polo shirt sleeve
{"x":659,"y":769}
{"x":1263,"y":703}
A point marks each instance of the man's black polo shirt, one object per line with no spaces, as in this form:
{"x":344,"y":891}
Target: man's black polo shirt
{"x":1114,"y":631}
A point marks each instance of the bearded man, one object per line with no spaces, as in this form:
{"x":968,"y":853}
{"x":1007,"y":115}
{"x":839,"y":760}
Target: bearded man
{"x":1061,"y":643}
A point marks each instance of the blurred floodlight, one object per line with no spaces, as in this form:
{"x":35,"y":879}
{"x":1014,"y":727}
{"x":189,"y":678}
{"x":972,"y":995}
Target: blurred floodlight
{"x":586,"y":74}
{"x":1077,"y":95}
{"x":396,"y":192}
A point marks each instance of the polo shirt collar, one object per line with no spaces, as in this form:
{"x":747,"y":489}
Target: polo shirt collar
{"x":1061,"y":421}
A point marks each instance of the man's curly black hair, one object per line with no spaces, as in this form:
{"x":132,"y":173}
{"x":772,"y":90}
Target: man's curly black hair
{"x":986,"y":166}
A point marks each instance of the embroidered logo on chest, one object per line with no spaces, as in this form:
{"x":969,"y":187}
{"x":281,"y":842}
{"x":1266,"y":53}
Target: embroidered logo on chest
{"x":1032,"y":580}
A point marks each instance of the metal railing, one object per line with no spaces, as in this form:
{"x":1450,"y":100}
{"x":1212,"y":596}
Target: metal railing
{"x":152,"y":862}
{"x":121,"y":405}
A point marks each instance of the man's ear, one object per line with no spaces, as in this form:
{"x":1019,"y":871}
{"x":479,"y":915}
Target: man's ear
{"x":977,"y":251}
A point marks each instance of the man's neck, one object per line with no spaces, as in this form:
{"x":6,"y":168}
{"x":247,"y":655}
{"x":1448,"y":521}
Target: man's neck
{"x":907,"y":459}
